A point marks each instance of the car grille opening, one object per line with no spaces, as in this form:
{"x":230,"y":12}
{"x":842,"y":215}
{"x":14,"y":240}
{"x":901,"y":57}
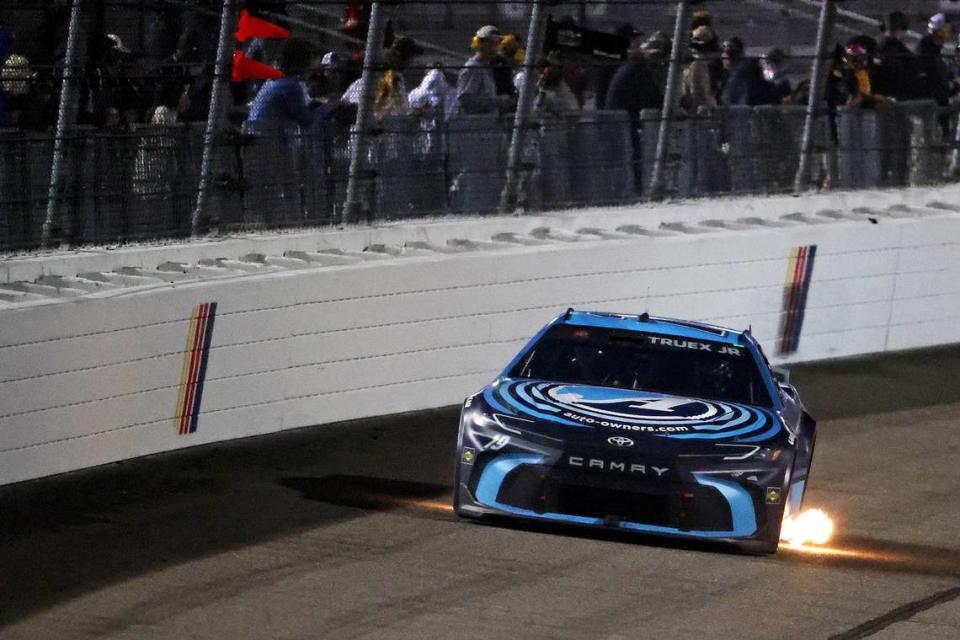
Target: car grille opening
{"x":604,"y":496}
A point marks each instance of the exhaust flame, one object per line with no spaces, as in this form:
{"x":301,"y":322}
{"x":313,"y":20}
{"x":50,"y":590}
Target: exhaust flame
{"x":812,"y":526}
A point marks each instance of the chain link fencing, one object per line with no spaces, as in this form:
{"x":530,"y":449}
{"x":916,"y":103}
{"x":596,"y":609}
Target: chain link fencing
{"x":134,"y":144}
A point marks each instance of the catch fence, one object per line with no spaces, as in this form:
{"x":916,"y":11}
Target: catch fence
{"x":81,"y":184}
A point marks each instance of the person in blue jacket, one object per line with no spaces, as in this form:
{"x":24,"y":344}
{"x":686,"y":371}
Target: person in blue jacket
{"x":285,"y":103}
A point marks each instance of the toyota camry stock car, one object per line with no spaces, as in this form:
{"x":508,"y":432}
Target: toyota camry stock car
{"x":638,"y":423}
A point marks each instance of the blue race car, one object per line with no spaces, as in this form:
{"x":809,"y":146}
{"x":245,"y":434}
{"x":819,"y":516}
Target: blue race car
{"x":638,"y":423}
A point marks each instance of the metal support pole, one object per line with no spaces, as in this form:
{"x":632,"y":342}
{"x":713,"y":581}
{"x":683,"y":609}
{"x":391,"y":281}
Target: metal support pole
{"x":65,"y":118}
{"x":671,"y":97}
{"x":818,"y":81}
{"x":535,"y":36}
{"x":225,"y":46}
{"x":359,"y":133}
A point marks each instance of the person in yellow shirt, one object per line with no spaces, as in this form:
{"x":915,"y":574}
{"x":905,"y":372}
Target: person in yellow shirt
{"x":859,"y":84}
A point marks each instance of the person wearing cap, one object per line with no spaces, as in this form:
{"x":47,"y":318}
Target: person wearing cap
{"x":895,"y":64}
{"x":745,"y":84}
{"x":696,"y":87}
{"x":507,"y":63}
{"x":656,"y":51}
{"x":933,"y":77}
{"x":100,"y":85}
{"x":633,"y":89}
{"x":604,"y":71}
{"x":328,"y":82}
{"x":476,"y":86}
{"x":772,"y":65}
{"x":858,"y":88}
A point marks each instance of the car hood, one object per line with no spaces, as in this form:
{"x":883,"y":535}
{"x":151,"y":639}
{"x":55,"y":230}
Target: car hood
{"x":600,"y":414}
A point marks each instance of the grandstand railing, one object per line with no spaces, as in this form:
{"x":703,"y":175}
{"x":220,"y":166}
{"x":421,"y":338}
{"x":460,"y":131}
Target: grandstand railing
{"x":142,"y":185}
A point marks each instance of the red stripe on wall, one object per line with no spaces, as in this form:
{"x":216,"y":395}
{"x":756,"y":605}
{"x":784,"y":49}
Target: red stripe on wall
{"x":199,"y":332}
{"x":794,"y":297}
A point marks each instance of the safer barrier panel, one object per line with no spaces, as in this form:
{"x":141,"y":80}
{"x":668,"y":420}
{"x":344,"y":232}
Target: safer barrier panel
{"x":129,"y":370}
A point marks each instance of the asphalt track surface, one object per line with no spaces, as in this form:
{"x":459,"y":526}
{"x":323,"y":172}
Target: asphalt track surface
{"x":344,"y":531}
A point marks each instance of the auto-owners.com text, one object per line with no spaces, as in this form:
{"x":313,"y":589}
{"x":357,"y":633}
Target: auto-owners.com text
{"x":625,"y":427}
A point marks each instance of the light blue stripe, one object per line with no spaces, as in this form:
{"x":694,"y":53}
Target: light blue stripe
{"x":766,"y":435}
{"x":796,"y":495}
{"x":544,"y":416}
{"x":493,"y":402}
{"x":741,"y":504}
{"x":522,"y":392}
{"x":492,"y":479}
{"x":717,"y":436}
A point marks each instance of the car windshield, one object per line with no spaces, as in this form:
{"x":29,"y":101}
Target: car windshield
{"x":645,"y":361}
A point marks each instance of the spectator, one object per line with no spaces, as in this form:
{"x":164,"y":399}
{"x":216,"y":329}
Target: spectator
{"x":745,"y":84}
{"x":506,"y":64}
{"x":853,"y":85}
{"x":605,"y":71}
{"x":100,"y":88}
{"x":476,"y":86}
{"x":554,"y":95}
{"x":284,"y":102}
{"x":779,"y":88}
{"x":333,"y":70}
{"x":156,"y":162}
{"x":895,"y":64}
{"x":194,"y":44}
{"x":632,"y":89}
{"x":133,"y":93}
{"x":390,"y":94}
{"x":697,"y":90}
{"x":656,"y":51}
{"x":434,"y":94}
{"x":18,"y":90}
{"x":933,"y":77}
{"x":711,"y":49}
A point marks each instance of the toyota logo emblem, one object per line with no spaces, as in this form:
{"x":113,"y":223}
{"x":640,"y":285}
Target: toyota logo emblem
{"x":620,"y":441}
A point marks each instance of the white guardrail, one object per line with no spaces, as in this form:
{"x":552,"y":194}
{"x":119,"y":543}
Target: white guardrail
{"x":101,"y":362}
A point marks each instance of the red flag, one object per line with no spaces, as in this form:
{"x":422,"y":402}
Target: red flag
{"x":246,"y":69}
{"x":251,"y":27}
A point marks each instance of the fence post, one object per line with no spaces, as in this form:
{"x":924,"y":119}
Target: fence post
{"x":217,"y":90}
{"x":671,"y":96}
{"x":535,"y":38}
{"x":352,"y":204}
{"x":65,"y":117}
{"x":828,"y":15}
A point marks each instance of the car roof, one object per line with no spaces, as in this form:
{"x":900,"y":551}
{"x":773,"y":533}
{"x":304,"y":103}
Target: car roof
{"x":652,"y":324}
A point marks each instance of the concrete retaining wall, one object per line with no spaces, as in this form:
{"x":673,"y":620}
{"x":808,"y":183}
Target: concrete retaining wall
{"x":100,"y":377}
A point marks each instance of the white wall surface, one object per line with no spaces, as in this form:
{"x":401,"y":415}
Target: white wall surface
{"x":95,"y":379}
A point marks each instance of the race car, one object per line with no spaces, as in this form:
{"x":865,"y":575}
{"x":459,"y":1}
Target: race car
{"x":642,"y":424}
